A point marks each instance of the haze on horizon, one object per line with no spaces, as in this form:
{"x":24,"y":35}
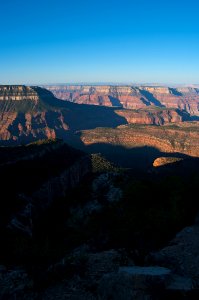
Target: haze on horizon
{"x":127,"y":41}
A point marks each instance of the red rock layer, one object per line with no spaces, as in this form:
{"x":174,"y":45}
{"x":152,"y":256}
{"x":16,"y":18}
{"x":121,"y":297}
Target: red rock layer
{"x":131,"y":97}
{"x":155,"y":116}
{"x":31,"y":126}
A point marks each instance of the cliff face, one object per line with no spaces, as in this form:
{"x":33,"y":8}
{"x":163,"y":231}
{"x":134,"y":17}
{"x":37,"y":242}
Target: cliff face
{"x":131,"y":97}
{"x":25,"y":117}
{"x":26,"y":127}
{"x":28,"y":114}
{"x":183,"y":98}
{"x":17,"y":93}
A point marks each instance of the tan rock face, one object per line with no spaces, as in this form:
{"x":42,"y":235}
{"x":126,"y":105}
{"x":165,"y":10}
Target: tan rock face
{"x":178,"y":138}
{"x":17,"y":93}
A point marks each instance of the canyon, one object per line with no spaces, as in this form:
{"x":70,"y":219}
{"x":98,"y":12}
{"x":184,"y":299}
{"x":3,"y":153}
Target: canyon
{"x":84,"y":219}
{"x":131,"y":97}
{"x":28,"y":114}
{"x":31,"y":113}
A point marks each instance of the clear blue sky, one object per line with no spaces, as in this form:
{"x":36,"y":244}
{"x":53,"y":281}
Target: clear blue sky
{"x":48,"y":41}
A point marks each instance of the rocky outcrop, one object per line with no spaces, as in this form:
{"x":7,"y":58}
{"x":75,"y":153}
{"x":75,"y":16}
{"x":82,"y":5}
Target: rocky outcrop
{"x":162,"y":161}
{"x":103,"y":276}
{"x":131,"y":97}
{"x":182,"y":254}
{"x":182,"y":257}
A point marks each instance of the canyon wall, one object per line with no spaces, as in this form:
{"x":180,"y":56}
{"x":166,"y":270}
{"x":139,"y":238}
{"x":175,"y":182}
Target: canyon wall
{"x":152,"y":116}
{"x":17,"y":93}
{"x":28,"y":114}
{"x":31,"y":113}
{"x":184,"y":98}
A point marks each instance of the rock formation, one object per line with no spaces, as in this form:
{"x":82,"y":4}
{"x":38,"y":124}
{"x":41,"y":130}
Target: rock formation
{"x":17,"y":93}
{"x":28,"y":114}
{"x":162,"y":161}
{"x":169,"y":138}
{"x":152,"y":116}
{"x":184,"y":98}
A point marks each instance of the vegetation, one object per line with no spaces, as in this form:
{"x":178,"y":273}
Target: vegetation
{"x":149,"y":214}
{"x":150,"y":209}
{"x":100,"y":164}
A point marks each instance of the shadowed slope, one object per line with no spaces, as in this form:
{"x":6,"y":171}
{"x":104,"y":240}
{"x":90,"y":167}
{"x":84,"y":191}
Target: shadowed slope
{"x":149,"y":96}
{"x":26,"y":120}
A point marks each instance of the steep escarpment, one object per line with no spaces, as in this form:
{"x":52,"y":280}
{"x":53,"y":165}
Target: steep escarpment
{"x":131,"y":97}
{"x":25,"y":117}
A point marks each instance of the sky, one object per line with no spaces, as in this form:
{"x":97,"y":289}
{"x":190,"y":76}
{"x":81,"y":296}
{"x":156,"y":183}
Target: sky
{"x":128,"y":41}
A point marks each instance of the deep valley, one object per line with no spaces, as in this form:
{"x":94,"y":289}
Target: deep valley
{"x":99,"y":192}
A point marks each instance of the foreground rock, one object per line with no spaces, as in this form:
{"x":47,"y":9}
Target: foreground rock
{"x":134,"y":283}
{"x":16,"y":284}
{"x":182,"y":255}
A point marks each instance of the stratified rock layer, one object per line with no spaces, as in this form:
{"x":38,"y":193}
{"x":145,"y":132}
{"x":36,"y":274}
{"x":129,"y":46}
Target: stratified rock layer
{"x":181,"y":138}
{"x":185,"y":98}
{"x":31,"y":113}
